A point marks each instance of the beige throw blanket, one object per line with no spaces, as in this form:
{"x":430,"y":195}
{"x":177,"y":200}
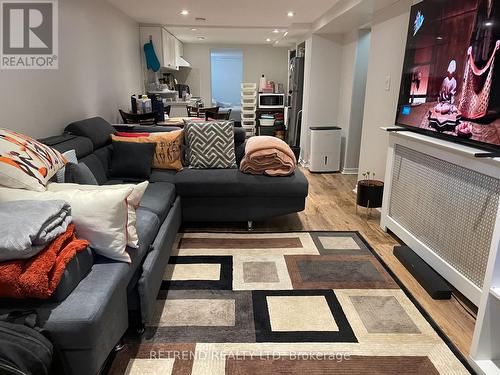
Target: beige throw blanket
{"x":268,"y":155}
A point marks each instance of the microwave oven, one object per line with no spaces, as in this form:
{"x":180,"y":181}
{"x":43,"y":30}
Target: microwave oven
{"x":271,"y":101}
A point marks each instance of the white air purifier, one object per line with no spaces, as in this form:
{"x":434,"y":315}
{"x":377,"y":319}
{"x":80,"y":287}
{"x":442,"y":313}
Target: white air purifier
{"x":325,"y":149}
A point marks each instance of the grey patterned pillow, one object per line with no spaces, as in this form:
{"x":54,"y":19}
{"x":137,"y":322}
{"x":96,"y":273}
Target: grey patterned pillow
{"x":210,"y":145}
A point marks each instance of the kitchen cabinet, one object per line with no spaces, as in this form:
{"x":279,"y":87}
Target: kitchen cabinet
{"x":179,"y":48}
{"x":169,"y":50}
{"x":167,"y":46}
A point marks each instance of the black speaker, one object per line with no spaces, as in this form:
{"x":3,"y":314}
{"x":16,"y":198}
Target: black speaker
{"x":431,"y":281}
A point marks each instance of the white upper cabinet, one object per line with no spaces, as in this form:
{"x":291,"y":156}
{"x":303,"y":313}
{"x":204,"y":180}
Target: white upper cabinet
{"x":179,"y":48}
{"x":167,"y":47}
{"x":169,"y":50}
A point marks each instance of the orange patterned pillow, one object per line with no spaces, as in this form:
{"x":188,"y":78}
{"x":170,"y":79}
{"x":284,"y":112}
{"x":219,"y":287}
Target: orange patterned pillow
{"x":168,"y":153}
{"x":26,"y":163}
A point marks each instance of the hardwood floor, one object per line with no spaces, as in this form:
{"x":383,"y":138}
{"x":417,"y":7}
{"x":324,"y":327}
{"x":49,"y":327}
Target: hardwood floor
{"x":331,"y":206}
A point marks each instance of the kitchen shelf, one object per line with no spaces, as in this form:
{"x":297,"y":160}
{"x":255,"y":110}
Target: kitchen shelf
{"x":248,"y":107}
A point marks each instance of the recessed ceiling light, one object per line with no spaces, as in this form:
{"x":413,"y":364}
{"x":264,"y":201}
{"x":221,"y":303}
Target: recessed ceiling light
{"x":184,"y":12}
{"x":489,"y":23}
{"x":194,"y":29}
{"x":290,"y":14}
{"x":268,"y":40}
{"x":285,"y":34}
{"x":276,"y":31}
{"x":201,"y":38}
{"x":439,"y":38}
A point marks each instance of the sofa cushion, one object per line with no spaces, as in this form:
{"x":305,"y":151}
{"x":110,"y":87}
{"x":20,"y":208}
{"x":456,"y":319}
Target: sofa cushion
{"x":65,"y":142}
{"x":233,"y":183}
{"x":167,"y":153}
{"x":240,"y":136}
{"x":115,"y":182}
{"x":146,"y":128}
{"x":87,"y":315}
{"x":79,"y":173}
{"x":96,"y":167}
{"x":147,"y":226}
{"x":163,"y":175}
{"x":104,"y":155}
{"x":70,"y":157}
{"x":239,"y":151}
{"x":95,"y":128}
{"x":132,"y":159}
{"x":76,"y":270}
{"x":158,"y":198}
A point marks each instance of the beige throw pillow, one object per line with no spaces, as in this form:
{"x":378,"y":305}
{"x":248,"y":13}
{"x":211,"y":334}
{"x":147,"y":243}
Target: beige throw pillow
{"x":168,"y":151}
{"x":133,"y":202}
{"x":100,"y":216}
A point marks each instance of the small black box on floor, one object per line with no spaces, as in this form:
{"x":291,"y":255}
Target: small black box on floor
{"x":431,"y":281}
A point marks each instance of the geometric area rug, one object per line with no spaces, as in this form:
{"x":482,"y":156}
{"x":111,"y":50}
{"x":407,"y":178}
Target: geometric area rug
{"x":284,"y":303}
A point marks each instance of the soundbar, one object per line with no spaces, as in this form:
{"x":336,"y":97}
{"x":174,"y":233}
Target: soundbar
{"x":431,"y":281}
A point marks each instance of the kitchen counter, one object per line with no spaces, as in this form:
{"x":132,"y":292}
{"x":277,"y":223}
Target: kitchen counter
{"x":180,"y":103}
{"x":179,"y":109}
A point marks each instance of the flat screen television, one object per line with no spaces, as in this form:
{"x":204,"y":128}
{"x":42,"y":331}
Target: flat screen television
{"x":450,"y":86}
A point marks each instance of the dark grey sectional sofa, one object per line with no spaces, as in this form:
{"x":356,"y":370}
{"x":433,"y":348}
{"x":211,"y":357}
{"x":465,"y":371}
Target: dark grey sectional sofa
{"x":114,"y":296}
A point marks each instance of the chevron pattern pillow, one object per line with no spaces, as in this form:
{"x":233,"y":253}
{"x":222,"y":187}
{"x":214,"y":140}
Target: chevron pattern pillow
{"x":210,"y":145}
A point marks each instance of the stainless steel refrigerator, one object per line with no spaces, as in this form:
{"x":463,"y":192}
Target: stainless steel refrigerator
{"x":296,"y":91}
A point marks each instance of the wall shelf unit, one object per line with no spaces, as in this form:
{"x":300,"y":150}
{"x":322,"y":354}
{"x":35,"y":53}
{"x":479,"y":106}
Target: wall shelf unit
{"x":248,"y":107}
{"x":485,"y":350}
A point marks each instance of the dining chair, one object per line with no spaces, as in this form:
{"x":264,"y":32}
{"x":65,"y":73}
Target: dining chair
{"x":139,"y":118}
{"x":226,"y":115}
{"x":192,"y":111}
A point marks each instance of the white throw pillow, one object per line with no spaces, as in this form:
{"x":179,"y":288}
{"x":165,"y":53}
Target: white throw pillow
{"x":133,"y":201}
{"x":26,"y":163}
{"x":100,"y":216}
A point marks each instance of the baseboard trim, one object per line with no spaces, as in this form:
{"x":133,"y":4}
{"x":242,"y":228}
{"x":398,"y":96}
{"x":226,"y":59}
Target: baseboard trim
{"x":350,"y":170}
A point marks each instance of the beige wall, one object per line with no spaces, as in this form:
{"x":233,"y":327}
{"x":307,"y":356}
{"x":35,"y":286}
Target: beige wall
{"x":257,"y":60}
{"x":353,"y":143}
{"x":99,"y":68}
{"x":349,"y":44}
{"x":323,"y":63}
{"x":355,"y":51}
{"x":388,"y":42}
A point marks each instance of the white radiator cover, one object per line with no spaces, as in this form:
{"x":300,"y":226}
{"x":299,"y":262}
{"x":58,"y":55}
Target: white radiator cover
{"x":449,"y":208}
{"x":444,"y":211}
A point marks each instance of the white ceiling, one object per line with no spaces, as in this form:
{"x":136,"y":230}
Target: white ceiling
{"x":238,"y":35}
{"x":253,"y":21}
{"x":229,"y":21}
{"x":346,"y":15}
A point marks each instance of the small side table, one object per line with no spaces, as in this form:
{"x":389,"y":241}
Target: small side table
{"x":369,"y":195}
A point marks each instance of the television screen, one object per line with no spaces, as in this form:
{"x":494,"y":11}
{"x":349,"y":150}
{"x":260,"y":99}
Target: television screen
{"x":451,"y":75}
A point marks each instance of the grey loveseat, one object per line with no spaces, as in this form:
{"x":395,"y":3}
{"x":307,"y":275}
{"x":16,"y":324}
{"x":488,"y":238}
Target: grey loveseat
{"x":114,"y":296}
